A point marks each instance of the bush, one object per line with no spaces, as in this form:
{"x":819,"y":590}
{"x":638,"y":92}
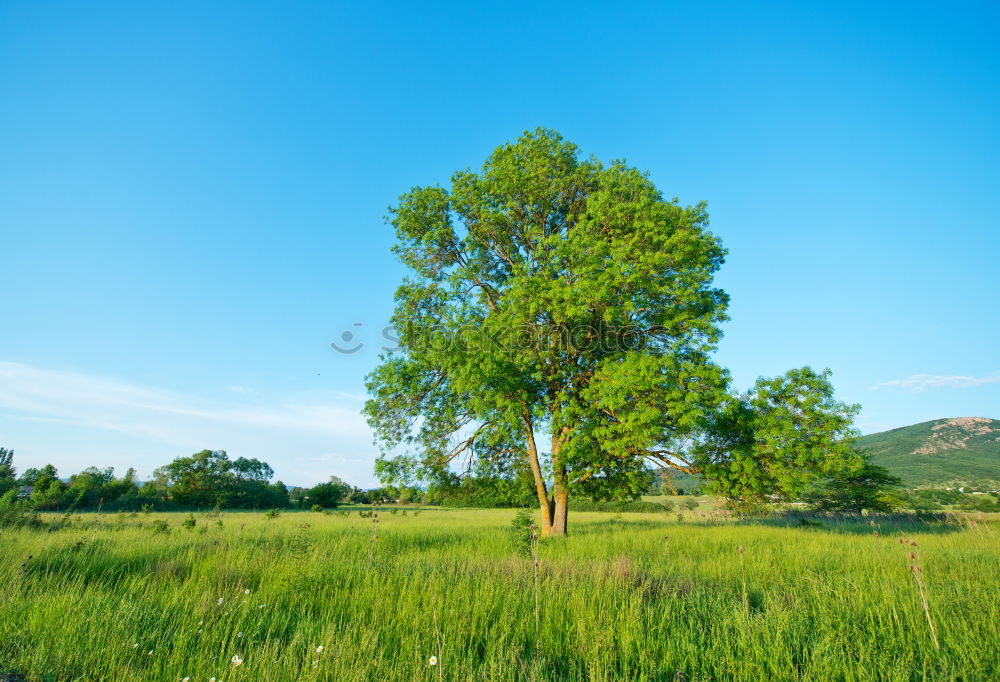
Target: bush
{"x":316,"y":508}
{"x":746,"y":509}
{"x":327,"y":495}
{"x":15,"y":512}
{"x":868,"y":487}
{"x":272,"y":513}
{"x":189,"y":522}
{"x":982,"y":503}
{"x":520,"y":532}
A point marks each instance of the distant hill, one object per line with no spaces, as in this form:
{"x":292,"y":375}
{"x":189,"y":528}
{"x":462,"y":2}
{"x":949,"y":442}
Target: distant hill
{"x":942,"y":452}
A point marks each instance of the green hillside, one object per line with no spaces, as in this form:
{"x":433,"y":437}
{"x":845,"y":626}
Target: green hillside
{"x":942,"y":452}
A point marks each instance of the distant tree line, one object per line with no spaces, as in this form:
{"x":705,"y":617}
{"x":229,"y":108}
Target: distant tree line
{"x":204,"y":480}
{"x":210,"y":479}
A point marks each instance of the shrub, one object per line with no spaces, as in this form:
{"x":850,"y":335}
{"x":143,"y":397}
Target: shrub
{"x":272,"y":513}
{"x":189,"y":522}
{"x":15,"y":512}
{"x":328,"y":495}
{"x":867,"y":487}
{"x":746,"y":509}
{"x":520,"y":532}
{"x":316,"y":508}
{"x":981,"y":503}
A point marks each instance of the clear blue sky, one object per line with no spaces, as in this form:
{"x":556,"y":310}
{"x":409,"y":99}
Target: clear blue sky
{"x":191,"y":198}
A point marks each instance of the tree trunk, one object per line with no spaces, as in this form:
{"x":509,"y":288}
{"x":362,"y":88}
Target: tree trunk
{"x":560,"y":514}
{"x":545,"y":505}
{"x":560,"y":491}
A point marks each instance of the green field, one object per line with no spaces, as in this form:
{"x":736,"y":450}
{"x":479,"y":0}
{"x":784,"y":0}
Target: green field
{"x":625,"y":597}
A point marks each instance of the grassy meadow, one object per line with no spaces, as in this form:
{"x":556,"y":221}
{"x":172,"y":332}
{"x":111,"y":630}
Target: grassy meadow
{"x":313,"y":596}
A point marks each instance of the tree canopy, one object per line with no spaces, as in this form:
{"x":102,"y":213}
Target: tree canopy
{"x":210,"y":479}
{"x":865,"y":486}
{"x":561,"y":312}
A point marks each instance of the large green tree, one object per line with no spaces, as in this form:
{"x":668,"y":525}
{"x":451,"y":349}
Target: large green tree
{"x":560,"y":311}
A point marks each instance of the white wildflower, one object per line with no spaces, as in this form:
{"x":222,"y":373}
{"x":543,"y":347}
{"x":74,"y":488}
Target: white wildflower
{"x":247,"y":591}
{"x":236,"y":660}
{"x":433,"y":660}
{"x":219,"y":600}
{"x":319,"y":649}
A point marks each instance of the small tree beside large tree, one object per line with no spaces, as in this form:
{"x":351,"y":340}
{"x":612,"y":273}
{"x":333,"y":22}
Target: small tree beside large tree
{"x":561,"y":312}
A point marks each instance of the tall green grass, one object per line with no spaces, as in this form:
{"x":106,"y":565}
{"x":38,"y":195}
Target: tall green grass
{"x":625,"y":597}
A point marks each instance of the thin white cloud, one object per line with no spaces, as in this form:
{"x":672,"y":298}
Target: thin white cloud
{"x":245,"y":390}
{"x":305,"y":436}
{"x":923,"y":382}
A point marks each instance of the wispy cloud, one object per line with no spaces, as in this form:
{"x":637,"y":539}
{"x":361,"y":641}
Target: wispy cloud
{"x":305,"y":436}
{"x":925,"y":382}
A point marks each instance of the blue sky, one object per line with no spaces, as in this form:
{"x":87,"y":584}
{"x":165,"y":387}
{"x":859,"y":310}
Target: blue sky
{"x":191,"y":198}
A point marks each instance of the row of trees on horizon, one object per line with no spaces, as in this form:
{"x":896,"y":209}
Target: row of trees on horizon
{"x":210,"y":479}
{"x":205,"y":480}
